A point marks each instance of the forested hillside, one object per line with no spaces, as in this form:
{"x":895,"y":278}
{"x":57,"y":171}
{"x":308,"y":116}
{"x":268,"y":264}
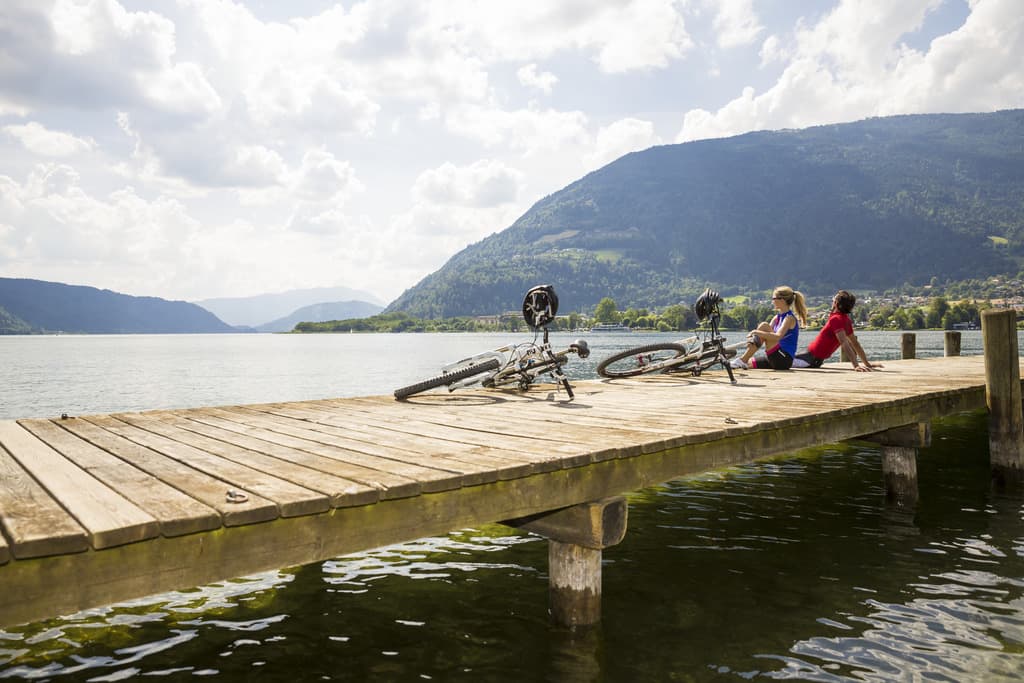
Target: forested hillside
{"x":39,"y":306}
{"x":869,"y":205}
{"x":336,"y":310}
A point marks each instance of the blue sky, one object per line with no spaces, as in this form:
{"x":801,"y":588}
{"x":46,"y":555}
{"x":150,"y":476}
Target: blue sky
{"x":191,"y":149}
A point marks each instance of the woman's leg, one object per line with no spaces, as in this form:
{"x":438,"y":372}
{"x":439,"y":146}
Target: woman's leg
{"x":754,"y":343}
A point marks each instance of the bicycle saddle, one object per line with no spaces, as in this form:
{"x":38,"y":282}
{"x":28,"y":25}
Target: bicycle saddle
{"x":540,"y":306}
{"x":706,"y":304}
{"x":581,"y":348}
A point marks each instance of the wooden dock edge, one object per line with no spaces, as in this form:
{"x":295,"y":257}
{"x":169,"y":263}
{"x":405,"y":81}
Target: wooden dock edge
{"x":33,"y":588}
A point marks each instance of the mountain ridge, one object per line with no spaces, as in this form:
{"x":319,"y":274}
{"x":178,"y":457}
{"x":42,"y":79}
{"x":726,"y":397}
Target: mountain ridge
{"x":41,"y":306}
{"x":260,"y":309}
{"x":872,"y":205}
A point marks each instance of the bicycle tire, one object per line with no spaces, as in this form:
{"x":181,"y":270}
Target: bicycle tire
{"x":447,"y":378}
{"x":608,"y":368}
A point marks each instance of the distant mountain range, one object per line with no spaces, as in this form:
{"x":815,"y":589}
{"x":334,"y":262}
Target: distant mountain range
{"x":263,"y":309}
{"x":866,"y":206}
{"x":35,"y":306}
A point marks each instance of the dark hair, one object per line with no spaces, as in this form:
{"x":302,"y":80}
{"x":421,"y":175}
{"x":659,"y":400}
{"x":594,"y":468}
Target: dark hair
{"x":844,"y":301}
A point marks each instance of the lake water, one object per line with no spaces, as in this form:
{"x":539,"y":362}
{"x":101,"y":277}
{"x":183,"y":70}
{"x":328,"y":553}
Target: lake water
{"x":789,"y":568}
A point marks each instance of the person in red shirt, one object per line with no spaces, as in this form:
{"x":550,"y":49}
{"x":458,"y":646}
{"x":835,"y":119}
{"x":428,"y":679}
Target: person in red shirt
{"x":838,"y":331}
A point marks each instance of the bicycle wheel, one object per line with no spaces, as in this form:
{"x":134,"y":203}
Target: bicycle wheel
{"x":447,"y":378}
{"x":640,"y":360}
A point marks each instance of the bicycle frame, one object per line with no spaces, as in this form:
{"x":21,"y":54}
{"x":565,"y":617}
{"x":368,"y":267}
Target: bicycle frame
{"x":519,"y":364}
{"x":692,"y":354}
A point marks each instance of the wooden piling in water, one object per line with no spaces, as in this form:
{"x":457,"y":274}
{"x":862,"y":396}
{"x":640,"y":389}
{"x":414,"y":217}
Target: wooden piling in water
{"x":951,"y":343}
{"x":899,"y":460}
{"x":908,"y":346}
{"x":1003,"y":395}
{"x":899,"y":467}
{"x":576,"y":538}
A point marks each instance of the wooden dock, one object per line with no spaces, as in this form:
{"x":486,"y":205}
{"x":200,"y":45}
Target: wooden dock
{"x":99,"y":509}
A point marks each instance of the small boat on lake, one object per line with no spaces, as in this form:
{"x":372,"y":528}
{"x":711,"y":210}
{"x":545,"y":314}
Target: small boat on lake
{"x":610,"y":327}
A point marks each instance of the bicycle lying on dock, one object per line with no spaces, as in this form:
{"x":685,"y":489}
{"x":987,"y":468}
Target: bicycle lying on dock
{"x":694,"y":354}
{"x":514,"y":365}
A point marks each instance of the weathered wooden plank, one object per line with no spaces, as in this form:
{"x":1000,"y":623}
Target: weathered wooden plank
{"x":383,"y":427}
{"x":566,"y":455}
{"x":340,"y":491}
{"x":561,"y":454}
{"x":505,"y":464}
{"x":529,"y":418}
{"x":431,"y":478}
{"x":192,"y":482}
{"x":291,"y":499}
{"x":288,"y":422}
{"x":35,"y":524}
{"x":108,"y":517}
{"x":382,"y":485}
{"x":176,"y":512}
{"x":388,"y":484}
{"x":518,"y":428}
{"x":595,"y":453}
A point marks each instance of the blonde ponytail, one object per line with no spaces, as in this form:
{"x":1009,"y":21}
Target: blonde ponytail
{"x":796,"y":301}
{"x":801,"y":308}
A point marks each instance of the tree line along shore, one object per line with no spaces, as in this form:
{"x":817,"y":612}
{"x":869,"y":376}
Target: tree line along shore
{"x":738,"y":313}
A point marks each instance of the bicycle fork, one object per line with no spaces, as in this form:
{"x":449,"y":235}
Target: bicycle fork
{"x":559,"y":375}
{"x":724,"y":360}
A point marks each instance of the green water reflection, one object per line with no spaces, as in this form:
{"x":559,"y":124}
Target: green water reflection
{"x":794,"y":567}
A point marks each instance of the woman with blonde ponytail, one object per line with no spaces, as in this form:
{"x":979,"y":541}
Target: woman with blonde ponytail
{"x":779,"y":337}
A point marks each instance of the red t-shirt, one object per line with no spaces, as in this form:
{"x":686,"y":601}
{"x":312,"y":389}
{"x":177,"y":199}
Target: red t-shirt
{"x":826,"y":343}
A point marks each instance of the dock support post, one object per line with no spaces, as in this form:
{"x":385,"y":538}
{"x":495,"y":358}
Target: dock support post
{"x":899,"y":460}
{"x":1003,"y":396}
{"x":899,"y":467}
{"x":908,"y":346}
{"x":577,"y":536}
{"x":951,"y":343}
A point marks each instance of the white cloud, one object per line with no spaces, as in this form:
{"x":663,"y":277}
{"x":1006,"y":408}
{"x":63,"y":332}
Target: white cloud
{"x":437,"y":232}
{"x":772,"y":51}
{"x":49,"y":143}
{"x":96,"y":53}
{"x":228,"y":141}
{"x":622,"y":36}
{"x":483,"y":184}
{"x":319,"y":219}
{"x":323,"y":177}
{"x":543,"y":81}
{"x":531,"y":131}
{"x":622,"y":137}
{"x":736,"y":23}
{"x":61,"y":225}
{"x":852,"y":64}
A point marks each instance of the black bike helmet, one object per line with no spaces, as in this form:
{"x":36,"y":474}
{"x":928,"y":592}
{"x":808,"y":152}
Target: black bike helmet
{"x":540,"y":306}
{"x":706,"y":304}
